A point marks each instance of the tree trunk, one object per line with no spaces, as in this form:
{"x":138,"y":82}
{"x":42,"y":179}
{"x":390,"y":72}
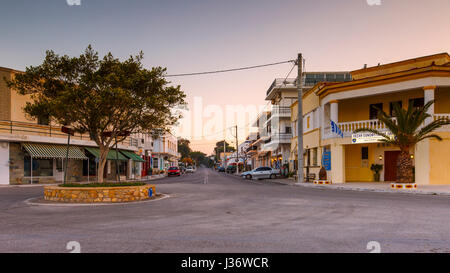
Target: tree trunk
{"x":404,"y":168}
{"x":102,"y":162}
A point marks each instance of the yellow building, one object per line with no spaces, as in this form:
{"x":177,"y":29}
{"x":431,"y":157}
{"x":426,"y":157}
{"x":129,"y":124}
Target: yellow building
{"x":352,"y":105}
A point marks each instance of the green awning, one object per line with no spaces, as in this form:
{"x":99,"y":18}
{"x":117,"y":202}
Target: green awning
{"x":111,"y":154}
{"x":53,"y":151}
{"x":132,"y":156}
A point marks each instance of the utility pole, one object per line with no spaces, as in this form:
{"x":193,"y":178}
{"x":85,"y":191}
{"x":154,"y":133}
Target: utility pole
{"x":224,"y":155}
{"x":300,"y":119}
{"x":237,"y":152}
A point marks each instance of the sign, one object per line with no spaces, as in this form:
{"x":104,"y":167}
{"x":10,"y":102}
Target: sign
{"x":368,"y":137}
{"x":326,"y":159}
{"x":67,"y":130}
{"x":150,"y":192}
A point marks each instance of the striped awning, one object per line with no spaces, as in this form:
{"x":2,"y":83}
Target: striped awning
{"x":53,"y":151}
{"x":132,"y":156}
{"x":111,"y":154}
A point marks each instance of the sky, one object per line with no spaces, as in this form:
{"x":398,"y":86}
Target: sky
{"x":203,"y":35}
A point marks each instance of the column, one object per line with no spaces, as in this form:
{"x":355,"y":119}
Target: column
{"x":334,"y":111}
{"x":337,"y":163}
{"x":429,"y":96}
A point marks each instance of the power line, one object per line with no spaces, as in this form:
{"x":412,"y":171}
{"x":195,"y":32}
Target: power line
{"x":228,"y":70}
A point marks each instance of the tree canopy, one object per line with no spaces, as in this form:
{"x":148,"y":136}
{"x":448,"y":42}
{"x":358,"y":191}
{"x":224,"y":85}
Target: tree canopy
{"x":183,"y":147}
{"x":102,"y":97}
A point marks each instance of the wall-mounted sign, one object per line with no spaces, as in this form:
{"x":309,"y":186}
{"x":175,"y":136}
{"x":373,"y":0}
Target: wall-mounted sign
{"x":368,"y":137}
{"x":326,"y":159}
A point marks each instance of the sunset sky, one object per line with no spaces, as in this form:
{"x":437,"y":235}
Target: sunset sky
{"x":202,"y":35}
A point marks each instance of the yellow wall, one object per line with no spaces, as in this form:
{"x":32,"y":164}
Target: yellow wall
{"x":442,"y":100}
{"x":310,"y":102}
{"x":5,"y":96}
{"x":354,"y":171}
{"x":358,"y":109}
{"x":440,"y":160}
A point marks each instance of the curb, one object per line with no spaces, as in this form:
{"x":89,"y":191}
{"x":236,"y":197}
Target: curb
{"x":31,"y":203}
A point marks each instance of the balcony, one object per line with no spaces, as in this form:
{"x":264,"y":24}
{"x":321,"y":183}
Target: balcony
{"x":18,"y":128}
{"x":348,"y":128}
{"x":278,"y":112}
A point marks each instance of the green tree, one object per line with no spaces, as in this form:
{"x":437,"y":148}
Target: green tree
{"x":183,"y":147}
{"x":408,"y":129}
{"x":102,"y":97}
{"x":219,"y":149}
{"x":198,"y":157}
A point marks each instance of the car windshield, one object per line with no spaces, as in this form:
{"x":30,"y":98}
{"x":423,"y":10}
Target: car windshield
{"x":173,"y":168}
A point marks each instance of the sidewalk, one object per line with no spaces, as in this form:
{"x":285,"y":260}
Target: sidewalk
{"x":370,"y":187}
{"x":146,"y":179}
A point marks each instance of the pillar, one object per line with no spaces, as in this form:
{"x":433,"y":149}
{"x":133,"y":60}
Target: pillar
{"x":337,"y":163}
{"x":334,"y":111}
{"x":422,"y":162}
{"x":429,"y":96}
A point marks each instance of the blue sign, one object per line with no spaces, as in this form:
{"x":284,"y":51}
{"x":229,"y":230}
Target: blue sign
{"x":326,"y":159}
{"x":150,"y":192}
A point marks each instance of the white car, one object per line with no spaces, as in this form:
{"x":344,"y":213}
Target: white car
{"x":261,"y":173}
{"x":190,"y":170}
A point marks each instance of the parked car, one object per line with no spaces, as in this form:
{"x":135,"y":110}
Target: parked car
{"x":221,"y":169}
{"x":173,"y":171}
{"x":261,"y":173}
{"x":231,"y":169}
{"x":190,"y":170}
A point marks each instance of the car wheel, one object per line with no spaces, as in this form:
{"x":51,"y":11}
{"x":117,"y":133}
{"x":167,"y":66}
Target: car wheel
{"x":272,"y":176}
{"x":248,"y":176}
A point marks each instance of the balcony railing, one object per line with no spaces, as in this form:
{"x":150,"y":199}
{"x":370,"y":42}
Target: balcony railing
{"x":348,"y":128}
{"x":280,"y":83}
{"x":33,"y":129}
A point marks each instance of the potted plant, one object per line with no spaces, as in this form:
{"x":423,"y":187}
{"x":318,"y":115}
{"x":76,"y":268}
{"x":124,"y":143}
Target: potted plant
{"x":376,"y":169}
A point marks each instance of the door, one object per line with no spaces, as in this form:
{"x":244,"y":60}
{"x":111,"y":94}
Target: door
{"x":390,"y":165}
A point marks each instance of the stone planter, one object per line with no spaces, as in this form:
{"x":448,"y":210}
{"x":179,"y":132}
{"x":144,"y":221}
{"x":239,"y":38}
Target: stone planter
{"x":322,"y":182}
{"x":403,"y":186}
{"x":98,"y":194}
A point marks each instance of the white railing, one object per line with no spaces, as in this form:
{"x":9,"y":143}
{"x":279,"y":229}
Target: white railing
{"x":348,"y":128}
{"x":444,"y":116}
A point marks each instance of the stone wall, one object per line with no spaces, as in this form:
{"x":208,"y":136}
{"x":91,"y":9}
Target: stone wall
{"x":98,"y":195}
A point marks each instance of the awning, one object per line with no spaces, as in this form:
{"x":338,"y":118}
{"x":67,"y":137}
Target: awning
{"x":132,"y":156}
{"x":111,"y":154}
{"x":53,"y":151}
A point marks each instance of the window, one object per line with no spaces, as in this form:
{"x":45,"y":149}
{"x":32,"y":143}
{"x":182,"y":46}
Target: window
{"x":43,"y":120}
{"x":314,"y":157}
{"x":364,"y":153}
{"x":418,"y":102}
{"x":288,"y":130}
{"x":92,"y":167}
{"x":391,"y":106}
{"x":374,"y":109}
{"x":41,"y":167}
{"x":59,"y":164}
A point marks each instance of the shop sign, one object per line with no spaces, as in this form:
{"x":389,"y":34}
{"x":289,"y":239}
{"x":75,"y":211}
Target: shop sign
{"x":368,"y":137}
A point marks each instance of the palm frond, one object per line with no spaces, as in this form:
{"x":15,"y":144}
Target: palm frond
{"x":436,"y":124}
{"x":431,"y":136}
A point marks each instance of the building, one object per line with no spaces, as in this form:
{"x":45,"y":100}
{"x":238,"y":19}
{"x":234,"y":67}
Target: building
{"x":34,"y":150}
{"x":165,"y":152}
{"x":282,"y":94}
{"x":351,"y":105}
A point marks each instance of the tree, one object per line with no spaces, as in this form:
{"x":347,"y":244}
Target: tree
{"x":198,"y":157}
{"x":187,"y":161}
{"x":102,"y":97}
{"x":219,"y":148}
{"x":183,"y":147}
{"x":408,"y":129}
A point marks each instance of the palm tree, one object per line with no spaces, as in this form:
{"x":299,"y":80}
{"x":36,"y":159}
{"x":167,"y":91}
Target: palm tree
{"x":408,"y":129}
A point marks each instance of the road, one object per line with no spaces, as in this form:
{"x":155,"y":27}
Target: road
{"x":216,"y":212}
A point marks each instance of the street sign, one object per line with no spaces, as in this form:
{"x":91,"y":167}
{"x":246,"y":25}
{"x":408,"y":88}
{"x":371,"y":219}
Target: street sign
{"x":326,"y":158}
{"x":369,"y":137}
{"x":68,"y":130}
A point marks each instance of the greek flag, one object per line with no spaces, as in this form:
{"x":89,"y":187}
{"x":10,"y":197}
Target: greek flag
{"x":335,"y":129}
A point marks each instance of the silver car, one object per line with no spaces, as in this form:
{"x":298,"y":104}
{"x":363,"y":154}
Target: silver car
{"x":261,"y":173}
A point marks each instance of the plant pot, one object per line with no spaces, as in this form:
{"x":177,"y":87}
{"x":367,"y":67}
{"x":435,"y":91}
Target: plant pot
{"x":376,"y":177}
{"x":403,"y":186}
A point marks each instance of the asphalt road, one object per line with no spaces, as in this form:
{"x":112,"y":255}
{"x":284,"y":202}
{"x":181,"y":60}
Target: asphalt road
{"x":212,"y":212}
